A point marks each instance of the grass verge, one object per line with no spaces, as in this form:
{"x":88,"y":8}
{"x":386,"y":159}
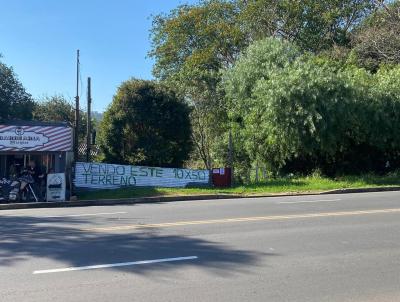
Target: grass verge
{"x":312,"y":184}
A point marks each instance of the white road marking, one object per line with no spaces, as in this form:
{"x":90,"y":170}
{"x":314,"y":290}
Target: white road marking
{"x":90,"y":267}
{"x":307,"y":201}
{"x":83,"y":215}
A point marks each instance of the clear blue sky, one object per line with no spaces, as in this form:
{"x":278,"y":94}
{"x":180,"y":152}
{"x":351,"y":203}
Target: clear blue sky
{"x":39,"y":38}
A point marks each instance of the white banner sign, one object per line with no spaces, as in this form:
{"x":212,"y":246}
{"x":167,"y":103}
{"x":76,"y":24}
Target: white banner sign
{"x":55,"y":187}
{"x":108,"y":176}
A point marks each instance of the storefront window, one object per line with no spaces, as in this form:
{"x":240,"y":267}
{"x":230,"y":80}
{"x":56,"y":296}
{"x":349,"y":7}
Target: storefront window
{"x":13,"y":164}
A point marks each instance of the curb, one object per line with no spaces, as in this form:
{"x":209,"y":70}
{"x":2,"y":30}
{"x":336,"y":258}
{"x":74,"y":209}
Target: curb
{"x":108,"y":202}
{"x":163,"y":199}
{"x":363,"y":190}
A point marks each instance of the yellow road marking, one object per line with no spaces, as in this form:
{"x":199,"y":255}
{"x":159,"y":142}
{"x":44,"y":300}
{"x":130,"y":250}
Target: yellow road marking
{"x":242,"y":219}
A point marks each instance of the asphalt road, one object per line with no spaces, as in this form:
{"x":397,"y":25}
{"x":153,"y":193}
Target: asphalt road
{"x":309,"y":248}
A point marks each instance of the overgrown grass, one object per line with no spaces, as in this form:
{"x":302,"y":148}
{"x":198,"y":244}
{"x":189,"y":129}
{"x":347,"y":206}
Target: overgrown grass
{"x":273,"y":186}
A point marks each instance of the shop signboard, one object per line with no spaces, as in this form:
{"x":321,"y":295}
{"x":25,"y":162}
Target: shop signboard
{"x":55,"y":187}
{"x":35,"y":138}
{"x":109,"y":176}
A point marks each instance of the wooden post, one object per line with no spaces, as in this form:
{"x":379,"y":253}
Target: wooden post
{"x":88,"y":126}
{"x":76,"y":133}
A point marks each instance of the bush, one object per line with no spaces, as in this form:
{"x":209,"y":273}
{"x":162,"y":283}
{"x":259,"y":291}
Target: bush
{"x":146,"y":124}
{"x":298,"y":113}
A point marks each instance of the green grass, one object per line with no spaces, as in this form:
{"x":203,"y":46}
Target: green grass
{"x":273,"y":186}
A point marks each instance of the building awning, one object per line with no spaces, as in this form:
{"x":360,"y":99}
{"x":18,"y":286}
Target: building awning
{"x":32,"y":136}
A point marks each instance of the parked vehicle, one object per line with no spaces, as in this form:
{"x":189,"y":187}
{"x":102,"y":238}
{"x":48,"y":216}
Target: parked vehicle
{"x":22,"y":190}
{"x":5,"y":188}
{"x":18,"y":190}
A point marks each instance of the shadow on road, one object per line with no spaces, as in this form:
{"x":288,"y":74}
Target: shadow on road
{"x":23,"y":238}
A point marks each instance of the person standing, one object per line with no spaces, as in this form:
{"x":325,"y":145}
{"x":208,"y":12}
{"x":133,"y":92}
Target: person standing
{"x":15,"y":170}
{"x":36,"y":172}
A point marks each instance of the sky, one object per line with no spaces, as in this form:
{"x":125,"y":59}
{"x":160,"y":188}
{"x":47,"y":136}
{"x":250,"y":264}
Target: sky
{"x":39,"y":39}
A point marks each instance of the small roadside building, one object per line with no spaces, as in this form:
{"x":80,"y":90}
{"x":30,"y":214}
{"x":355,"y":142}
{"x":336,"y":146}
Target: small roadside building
{"x":50,"y":145}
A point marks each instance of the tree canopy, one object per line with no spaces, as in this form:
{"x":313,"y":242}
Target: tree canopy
{"x":311,"y":25}
{"x":58,"y":109}
{"x":297,"y":110}
{"x":190,"y":46}
{"x":191,"y":37}
{"x":146,"y":124}
{"x":194,"y":44}
{"x":377,"y":39}
{"x":15,"y":102}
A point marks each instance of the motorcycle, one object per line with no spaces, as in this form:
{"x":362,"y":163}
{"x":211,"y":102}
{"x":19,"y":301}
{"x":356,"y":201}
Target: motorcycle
{"x":5,"y":188}
{"x":21,"y":189}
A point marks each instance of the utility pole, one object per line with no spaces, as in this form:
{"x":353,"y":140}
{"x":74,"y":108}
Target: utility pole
{"x":88,"y":126}
{"x":76,"y":134}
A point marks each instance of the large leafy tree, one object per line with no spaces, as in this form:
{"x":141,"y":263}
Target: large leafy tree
{"x":302,"y":112}
{"x":15,"y":102}
{"x":146,"y":124}
{"x":58,"y":109}
{"x":256,"y":64}
{"x":260,"y":61}
{"x":377,"y":40}
{"x":194,"y":44}
{"x":312,"y":25}
{"x":54,"y":109}
{"x":191,"y":45}
{"x":206,"y":36}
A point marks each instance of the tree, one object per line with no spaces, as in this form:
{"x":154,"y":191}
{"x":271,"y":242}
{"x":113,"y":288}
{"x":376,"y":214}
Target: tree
{"x":204,"y":37}
{"x":55,"y":109}
{"x":377,"y":40}
{"x":261,"y":60}
{"x":194,"y":44}
{"x":15,"y":102}
{"x":146,"y":124}
{"x":312,"y":25}
{"x":191,"y":45}
{"x":298,"y":112}
{"x":58,"y":109}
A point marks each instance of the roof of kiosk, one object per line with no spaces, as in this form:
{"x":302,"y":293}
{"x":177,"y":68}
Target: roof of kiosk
{"x":34,"y":123}
{"x":33,"y":136}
